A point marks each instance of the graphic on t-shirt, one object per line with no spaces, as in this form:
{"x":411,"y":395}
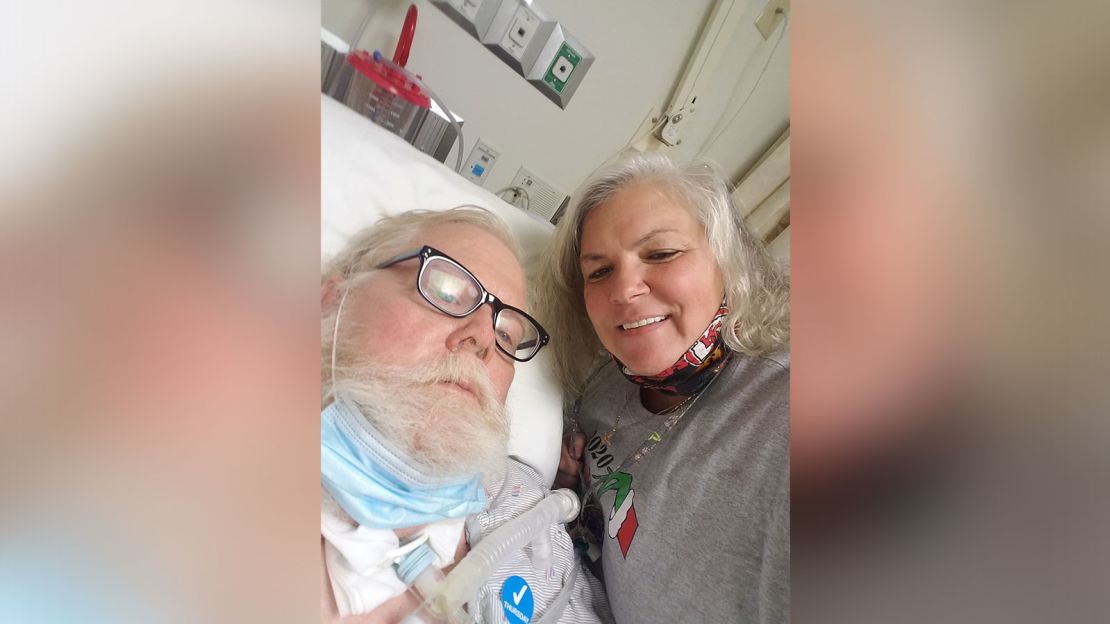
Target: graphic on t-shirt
{"x":622,"y":522}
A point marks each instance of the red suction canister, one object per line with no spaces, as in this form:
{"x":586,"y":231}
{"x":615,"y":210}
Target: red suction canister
{"x":382,"y":93}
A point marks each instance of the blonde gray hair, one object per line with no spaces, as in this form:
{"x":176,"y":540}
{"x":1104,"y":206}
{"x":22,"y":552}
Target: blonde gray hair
{"x":757,"y":291}
{"x":392,"y":235}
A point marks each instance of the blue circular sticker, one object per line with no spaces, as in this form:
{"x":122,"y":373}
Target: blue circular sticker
{"x":517,"y":601}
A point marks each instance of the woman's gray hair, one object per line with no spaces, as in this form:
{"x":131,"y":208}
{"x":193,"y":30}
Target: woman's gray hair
{"x":757,"y":290}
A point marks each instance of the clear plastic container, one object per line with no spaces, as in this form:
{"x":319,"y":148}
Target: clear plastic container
{"x":383,"y":91}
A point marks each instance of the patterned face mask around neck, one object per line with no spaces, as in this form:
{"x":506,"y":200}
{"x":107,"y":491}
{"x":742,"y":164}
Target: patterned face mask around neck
{"x":695,"y":368}
{"x":378,"y":485}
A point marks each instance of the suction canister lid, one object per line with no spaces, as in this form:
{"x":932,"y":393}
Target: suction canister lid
{"x":389,"y":79}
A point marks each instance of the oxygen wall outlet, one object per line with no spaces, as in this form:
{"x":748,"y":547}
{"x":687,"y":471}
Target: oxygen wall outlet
{"x":560,"y":66}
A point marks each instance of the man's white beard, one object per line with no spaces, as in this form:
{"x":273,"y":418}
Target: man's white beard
{"x":447,"y":432}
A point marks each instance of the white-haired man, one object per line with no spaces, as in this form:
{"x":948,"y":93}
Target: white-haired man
{"x":423,"y":323}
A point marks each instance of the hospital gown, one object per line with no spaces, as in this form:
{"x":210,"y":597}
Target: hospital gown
{"x":520,"y":491}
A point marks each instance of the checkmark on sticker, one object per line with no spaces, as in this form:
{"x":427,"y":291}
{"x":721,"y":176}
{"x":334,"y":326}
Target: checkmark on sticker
{"x":518,"y":605}
{"x":518,"y":596}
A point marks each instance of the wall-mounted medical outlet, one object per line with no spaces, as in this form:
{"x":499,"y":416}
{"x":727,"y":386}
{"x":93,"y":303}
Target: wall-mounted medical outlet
{"x":474,"y":16}
{"x":516,"y":34}
{"x":532,"y":43}
{"x":560,"y":66}
{"x":480,"y":161}
{"x":538,"y":197}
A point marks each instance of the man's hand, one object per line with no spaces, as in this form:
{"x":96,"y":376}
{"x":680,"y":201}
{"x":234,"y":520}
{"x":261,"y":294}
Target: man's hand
{"x":570,"y":462}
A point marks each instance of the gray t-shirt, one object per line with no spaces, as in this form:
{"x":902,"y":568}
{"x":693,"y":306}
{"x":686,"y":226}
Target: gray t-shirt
{"x":701,"y":529}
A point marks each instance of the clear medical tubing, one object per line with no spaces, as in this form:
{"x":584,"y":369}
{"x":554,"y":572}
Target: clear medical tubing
{"x":541,"y":552}
{"x":414,"y":563}
{"x":378,"y":56}
{"x":426,"y":582}
{"x":424,"y":585}
{"x":424,"y":615}
{"x":475,"y":569}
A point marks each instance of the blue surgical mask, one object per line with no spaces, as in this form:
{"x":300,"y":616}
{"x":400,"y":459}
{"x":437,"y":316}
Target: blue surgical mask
{"x":380,"y":486}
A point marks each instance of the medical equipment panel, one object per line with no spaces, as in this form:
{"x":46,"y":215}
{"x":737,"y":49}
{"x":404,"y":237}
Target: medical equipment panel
{"x":539,"y":197}
{"x":533,"y":44}
{"x":560,"y":66}
{"x":481,"y":160}
{"x":474,"y":16}
{"x":517,"y":35}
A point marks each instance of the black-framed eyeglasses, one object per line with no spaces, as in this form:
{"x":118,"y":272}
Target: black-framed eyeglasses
{"x":452,"y":289}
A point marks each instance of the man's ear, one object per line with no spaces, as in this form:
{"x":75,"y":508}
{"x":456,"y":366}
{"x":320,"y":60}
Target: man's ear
{"x":329,"y":295}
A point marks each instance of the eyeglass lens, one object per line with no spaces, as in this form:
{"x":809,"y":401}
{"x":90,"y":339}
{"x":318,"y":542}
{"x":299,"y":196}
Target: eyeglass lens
{"x":449,"y":287}
{"x":455,"y":292}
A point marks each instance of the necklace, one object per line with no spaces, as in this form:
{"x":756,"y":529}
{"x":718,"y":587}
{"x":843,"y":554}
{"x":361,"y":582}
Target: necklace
{"x":676,"y":413}
{"x":608,"y":435}
{"x":656,"y":437}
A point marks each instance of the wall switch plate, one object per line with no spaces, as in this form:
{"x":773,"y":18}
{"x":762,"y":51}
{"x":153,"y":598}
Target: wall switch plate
{"x":480,"y":161}
{"x":540,"y":197}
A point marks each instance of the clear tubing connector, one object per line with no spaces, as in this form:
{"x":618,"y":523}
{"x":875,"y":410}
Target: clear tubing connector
{"x":417,"y":570}
{"x":445,"y":603}
{"x":541,"y":552}
{"x":423,"y":587}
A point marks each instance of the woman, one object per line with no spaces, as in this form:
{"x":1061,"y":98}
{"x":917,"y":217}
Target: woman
{"x":670,"y":326}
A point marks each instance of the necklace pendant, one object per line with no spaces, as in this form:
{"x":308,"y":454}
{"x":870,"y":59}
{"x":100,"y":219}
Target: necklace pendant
{"x":607,"y":437}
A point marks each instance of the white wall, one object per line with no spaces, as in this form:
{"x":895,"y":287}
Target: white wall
{"x":641,"y":48}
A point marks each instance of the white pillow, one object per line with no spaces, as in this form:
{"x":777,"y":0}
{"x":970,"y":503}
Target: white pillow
{"x":366,"y":172}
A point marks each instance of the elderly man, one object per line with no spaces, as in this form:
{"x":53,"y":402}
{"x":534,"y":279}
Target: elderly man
{"x":423,"y":323}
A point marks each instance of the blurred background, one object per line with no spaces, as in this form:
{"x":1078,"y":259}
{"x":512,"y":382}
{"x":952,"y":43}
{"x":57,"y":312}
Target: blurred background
{"x":160,"y":236}
{"x":949,"y":255}
{"x":160,"y":194}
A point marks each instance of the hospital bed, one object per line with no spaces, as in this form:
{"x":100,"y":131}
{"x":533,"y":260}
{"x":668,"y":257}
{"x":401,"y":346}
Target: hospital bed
{"x":367,"y":172}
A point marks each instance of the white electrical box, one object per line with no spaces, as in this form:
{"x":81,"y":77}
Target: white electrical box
{"x":480,"y":161}
{"x":537,"y":196}
{"x":473,"y":15}
{"x":520,"y":33}
{"x":516,"y":33}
